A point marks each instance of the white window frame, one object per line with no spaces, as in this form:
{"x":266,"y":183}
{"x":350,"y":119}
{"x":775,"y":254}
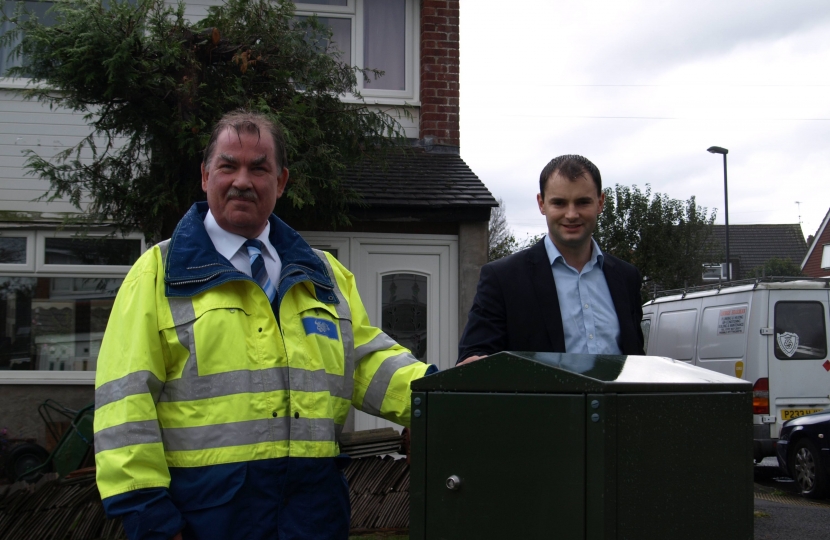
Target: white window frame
{"x":825,"y":257}
{"x":75,"y":269}
{"x":29,"y":265}
{"x":354,"y":11}
{"x":321,"y":8}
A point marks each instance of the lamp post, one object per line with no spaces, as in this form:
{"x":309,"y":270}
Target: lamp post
{"x":723,"y":152}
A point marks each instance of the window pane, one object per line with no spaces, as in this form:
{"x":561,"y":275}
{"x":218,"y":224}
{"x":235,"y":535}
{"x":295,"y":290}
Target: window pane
{"x":12,"y":250}
{"x":53,"y":324}
{"x":95,"y":251}
{"x":800,"y":331}
{"x":39,"y":9}
{"x":404,"y":311}
{"x":384,"y":43}
{"x":341,"y":35}
{"x":825,"y":257}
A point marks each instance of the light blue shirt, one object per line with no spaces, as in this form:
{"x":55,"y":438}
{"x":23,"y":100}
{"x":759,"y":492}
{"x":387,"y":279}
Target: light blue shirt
{"x":588,"y":315}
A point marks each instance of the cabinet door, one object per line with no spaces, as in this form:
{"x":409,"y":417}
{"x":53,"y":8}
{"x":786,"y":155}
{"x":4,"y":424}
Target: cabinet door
{"x":520,"y":461}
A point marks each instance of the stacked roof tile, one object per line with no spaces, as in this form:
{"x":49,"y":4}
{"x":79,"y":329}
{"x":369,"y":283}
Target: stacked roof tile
{"x":71,"y":509}
{"x":416,"y":178}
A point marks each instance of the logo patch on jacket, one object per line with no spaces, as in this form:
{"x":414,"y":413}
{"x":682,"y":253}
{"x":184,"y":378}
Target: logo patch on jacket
{"x":313,"y":325}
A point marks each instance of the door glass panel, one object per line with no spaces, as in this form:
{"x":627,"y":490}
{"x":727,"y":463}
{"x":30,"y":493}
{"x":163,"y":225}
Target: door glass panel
{"x":12,"y":250}
{"x":384,"y":43}
{"x":54,"y":324}
{"x":404,"y":311}
{"x":800,"y":331}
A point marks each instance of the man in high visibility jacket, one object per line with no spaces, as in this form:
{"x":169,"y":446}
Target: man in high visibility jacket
{"x":231,"y":358}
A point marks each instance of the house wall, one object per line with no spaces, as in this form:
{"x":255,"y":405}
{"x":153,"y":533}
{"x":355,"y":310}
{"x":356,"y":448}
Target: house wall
{"x":440,"y":72}
{"x":473,"y":248}
{"x":19,"y":407}
{"x":30,"y":125}
{"x":812,"y":267}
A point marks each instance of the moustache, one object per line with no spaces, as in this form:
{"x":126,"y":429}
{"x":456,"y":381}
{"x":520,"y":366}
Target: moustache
{"x":245,"y":195}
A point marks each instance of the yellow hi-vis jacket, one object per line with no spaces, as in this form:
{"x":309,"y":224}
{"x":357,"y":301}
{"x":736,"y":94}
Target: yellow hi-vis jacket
{"x":214,"y":378}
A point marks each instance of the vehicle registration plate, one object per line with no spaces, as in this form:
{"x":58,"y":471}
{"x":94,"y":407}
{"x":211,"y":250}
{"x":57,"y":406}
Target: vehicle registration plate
{"x":789,"y":414}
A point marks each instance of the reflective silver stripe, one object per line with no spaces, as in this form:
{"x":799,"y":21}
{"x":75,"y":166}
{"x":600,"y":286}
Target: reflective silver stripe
{"x":248,"y":381}
{"x":163,"y":246}
{"x":183,"y":318}
{"x":248,"y":432}
{"x":140,"y":382}
{"x":380,"y":342}
{"x":127,"y":434}
{"x":344,"y":314}
{"x":373,"y":399}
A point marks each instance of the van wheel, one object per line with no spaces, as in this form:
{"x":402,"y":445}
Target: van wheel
{"x":808,"y":469}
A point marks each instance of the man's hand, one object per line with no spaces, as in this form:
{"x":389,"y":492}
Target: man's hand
{"x":177,"y":537}
{"x":470,"y":359}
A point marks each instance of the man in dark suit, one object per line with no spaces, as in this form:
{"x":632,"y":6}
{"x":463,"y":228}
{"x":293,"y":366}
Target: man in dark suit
{"x":562,"y":294}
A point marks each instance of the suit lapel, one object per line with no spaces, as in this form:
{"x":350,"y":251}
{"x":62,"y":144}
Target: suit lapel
{"x":541,"y":277}
{"x":619,"y":296}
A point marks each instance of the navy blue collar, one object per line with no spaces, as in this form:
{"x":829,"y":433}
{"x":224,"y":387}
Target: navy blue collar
{"x":193,"y":265}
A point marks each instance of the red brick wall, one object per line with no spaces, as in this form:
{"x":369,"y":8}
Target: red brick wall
{"x":813,"y":266}
{"x":439,"y":71}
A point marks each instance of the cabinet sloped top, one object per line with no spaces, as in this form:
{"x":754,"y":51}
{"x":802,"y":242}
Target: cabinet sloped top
{"x":560,"y":373}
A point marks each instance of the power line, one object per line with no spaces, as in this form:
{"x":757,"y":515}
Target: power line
{"x":598,"y":117}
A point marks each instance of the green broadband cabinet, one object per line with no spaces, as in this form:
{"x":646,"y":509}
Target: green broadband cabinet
{"x":568,"y":446}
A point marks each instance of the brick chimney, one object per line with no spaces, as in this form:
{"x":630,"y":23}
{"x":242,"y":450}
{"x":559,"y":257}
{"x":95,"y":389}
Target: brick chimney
{"x":439,"y":119}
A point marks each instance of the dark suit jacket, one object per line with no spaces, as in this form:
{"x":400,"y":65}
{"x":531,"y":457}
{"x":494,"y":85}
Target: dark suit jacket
{"x":516,"y":307}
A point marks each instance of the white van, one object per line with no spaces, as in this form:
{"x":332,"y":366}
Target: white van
{"x":771,"y":333}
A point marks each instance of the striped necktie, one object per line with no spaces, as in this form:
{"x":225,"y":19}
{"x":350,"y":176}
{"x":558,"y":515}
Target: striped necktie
{"x":258,"y":271}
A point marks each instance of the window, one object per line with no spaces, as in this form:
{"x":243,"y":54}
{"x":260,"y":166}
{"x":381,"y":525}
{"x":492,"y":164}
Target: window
{"x":715,"y":272}
{"x":65,"y":252}
{"x":825,"y":257}
{"x":404,"y":311}
{"x":17,"y":251}
{"x":374,"y":34}
{"x":800,"y":331}
{"x":39,"y":9}
{"x":54,"y":324}
{"x":91,"y":251}
{"x":56,"y":295}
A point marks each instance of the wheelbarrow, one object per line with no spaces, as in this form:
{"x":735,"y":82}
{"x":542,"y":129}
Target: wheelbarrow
{"x":74,"y":446}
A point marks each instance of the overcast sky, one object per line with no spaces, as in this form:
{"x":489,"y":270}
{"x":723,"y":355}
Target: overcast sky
{"x":643,"y":88}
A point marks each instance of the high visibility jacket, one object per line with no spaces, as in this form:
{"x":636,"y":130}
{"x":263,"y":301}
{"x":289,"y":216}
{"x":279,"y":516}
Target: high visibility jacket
{"x":196,"y":368}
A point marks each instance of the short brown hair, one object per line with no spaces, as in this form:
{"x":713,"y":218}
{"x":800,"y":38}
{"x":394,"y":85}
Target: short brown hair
{"x":245,"y":121}
{"x":571,"y":166}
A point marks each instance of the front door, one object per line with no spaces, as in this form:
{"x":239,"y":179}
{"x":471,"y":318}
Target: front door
{"x":409,"y":292}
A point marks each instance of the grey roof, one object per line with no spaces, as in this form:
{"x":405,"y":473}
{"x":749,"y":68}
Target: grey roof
{"x":753,"y":245}
{"x":418,"y":179}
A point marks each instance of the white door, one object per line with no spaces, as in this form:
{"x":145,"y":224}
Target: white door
{"x":799,"y":371}
{"x":409,"y":291}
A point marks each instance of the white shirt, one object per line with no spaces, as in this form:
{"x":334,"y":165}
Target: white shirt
{"x":230,"y":246}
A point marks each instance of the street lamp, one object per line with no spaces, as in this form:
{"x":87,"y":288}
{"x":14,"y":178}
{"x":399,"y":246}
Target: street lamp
{"x":723,"y":152}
